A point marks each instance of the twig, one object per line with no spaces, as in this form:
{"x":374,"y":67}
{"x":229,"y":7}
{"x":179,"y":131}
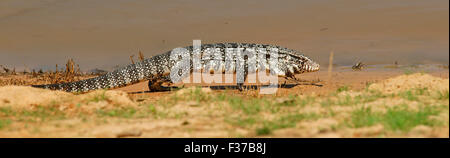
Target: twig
{"x":330,"y":65}
{"x":141,"y":56}
{"x":131,"y":58}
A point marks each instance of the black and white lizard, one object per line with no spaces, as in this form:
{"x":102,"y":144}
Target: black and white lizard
{"x":157,"y":68}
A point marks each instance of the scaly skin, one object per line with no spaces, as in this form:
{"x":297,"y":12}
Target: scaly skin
{"x":157,"y":69}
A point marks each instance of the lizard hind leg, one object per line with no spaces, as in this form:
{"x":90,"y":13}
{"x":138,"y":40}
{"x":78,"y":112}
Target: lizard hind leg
{"x":156,"y":85}
{"x":240,"y":85}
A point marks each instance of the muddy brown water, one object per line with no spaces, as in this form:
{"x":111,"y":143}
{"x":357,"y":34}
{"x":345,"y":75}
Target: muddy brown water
{"x":104,"y":33}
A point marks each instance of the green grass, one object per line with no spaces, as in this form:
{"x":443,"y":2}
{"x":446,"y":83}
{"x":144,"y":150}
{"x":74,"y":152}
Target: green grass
{"x":413,"y":94}
{"x":122,"y":113}
{"x":152,"y":109}
{"x":40,"y":113}
{"x":364,"y":117}
{"x":404,"y":120}
{"x":409,"y":95}
{"x":100,"y":97}
{"x":442,"y":95}
{"x":346,"y":100}
{"x":285,"y":121}
{"x":243,"y":121}
{"x":342,"y":89}
{"x":306,"y":101}
{"x":142,"y":111}
{"x":198,"y":95}
{"x":6,"y":111}
{"x":397,"y":118}
{"x":291,"y":100}
{"x":4,"y":123}
{"x":263,"y":114}
{"x":43,"y":112}
{"x":264,"y":131}
{"x":265,"y":127}
{"x":370,"y":96}
{"x":408,"y":71}
{"x":249,"y":106}
{"x":192,"y":94}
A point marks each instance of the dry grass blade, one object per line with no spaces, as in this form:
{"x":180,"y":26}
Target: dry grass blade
{"x":330,"y":65}
{"x":69,"y":75}
{"x":141,"y":56}
{"x":131,"y":58}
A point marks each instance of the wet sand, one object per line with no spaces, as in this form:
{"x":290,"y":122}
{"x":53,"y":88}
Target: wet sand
{"x":103,"y":34}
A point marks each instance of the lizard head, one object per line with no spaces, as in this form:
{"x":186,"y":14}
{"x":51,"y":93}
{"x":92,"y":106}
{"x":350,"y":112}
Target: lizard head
{"x":302,"y":63}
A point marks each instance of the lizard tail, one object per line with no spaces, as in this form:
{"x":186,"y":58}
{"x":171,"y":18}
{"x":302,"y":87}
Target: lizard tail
{"x":78,"y":86}
{"x":42,"y":86}
{"x":121,"y":77}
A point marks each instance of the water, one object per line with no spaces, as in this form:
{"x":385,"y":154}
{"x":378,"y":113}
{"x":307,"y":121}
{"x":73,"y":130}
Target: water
{"x":104,"y":33}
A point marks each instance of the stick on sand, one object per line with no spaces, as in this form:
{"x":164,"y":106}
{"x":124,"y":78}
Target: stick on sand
{"x":330,"y":66}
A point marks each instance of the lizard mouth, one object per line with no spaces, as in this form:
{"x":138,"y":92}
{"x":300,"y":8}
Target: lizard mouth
{"x":312,"y":67}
